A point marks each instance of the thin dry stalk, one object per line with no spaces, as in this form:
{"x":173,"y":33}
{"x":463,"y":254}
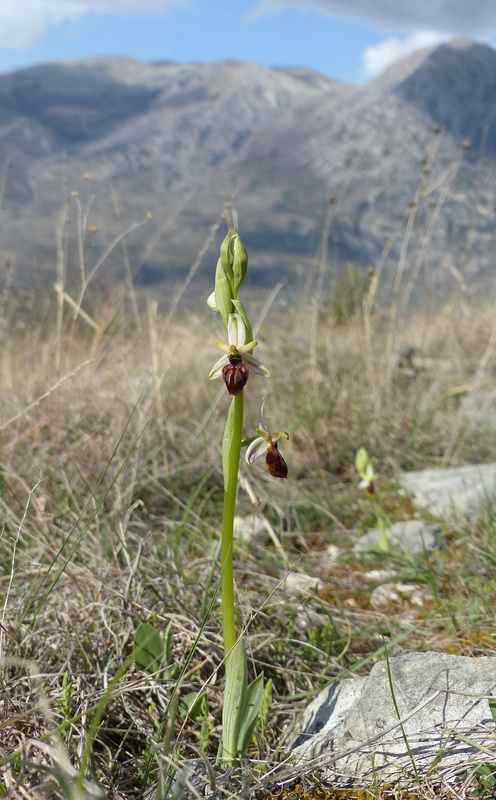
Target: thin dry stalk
{"x":151,"y":306}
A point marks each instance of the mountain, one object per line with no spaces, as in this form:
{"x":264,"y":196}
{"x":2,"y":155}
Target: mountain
{"x":91,"y":149}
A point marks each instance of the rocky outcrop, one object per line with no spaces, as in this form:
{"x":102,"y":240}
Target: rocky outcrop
{"x":418,"y":714}
{"x":169,"y":144}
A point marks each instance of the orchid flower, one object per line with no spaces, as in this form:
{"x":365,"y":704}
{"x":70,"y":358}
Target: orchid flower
{"x":365,"y":468}
{"x":366,"y":471}
{"x":265,"y":444}
{"x":237,"y":361}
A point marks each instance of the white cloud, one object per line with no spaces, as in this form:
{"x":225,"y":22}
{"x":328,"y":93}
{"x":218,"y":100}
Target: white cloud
{"x":377,"y":57}
{"x":476,"y":18}
{"x":25,"y":22}
{"x":21,"y":25}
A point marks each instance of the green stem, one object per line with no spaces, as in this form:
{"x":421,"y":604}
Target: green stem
{"x":231,"y":451}
{"x":382,"y":524}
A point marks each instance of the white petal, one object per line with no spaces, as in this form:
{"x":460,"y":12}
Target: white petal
{"x":255,"y":365}
{"x":211,"y":301}
{"x":257,"y":448}
{"x":261,"y":423}
{"x":236,"y":332}
{"x":216,"y":370}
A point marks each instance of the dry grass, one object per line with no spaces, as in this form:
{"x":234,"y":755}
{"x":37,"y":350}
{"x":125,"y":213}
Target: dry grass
{"x":110,"y":495}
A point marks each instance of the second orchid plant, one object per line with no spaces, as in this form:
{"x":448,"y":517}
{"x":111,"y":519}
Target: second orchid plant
{"x":242,"y":701}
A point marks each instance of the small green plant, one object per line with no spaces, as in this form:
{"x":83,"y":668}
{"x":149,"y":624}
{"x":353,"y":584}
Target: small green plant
{"x":152,"y":650}
{"x":485,"y":775}
{"x":369,"y":478}
{"x":65,"y":702}
{"x":194,"y":706}
{"x":242,"y":701}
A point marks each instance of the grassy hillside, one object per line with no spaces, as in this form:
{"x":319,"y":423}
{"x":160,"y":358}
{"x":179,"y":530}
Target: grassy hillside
{"x":110,"y":500}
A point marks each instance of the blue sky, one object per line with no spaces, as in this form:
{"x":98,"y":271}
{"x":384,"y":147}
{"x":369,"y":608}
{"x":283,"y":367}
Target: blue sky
{"x":345,"y":39}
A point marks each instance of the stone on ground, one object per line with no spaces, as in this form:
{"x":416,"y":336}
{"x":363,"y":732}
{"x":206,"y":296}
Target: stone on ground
{"x":352,"y":728}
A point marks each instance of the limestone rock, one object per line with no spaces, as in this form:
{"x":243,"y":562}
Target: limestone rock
{"x":297,"y":583}
{"x":387,"y":594}
{"x":451,"y":492}
{"x":411,"y":536}
{"x":250,"y":529}
{"x":352,"y":727}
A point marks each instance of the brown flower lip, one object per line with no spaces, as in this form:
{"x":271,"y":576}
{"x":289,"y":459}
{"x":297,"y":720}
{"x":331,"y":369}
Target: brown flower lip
{"x":235,"y":374}
{"x":275,"y":462}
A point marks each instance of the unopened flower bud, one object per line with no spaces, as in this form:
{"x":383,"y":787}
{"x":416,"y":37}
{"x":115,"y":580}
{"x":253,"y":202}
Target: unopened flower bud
{"x":240,"y":262}
{"x":361,"y":461}
{"x":223,"y":293}
{"x":227,"y":255}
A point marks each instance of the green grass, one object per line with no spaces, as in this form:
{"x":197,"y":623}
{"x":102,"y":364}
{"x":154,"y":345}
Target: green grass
{"x":110,"y":502}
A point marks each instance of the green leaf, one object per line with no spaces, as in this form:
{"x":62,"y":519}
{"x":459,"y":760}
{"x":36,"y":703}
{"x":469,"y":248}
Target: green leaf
{"x":193,"y":705}
{"x":167,"y":639}
{"x":266,"y":704}
{"x":253,"y":704}
{"x":234,"y":701}
{"x":492,"y":709}
{"x":149,"y":648}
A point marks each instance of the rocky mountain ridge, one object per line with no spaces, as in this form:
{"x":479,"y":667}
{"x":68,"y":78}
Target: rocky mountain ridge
{"x":90,"y":149}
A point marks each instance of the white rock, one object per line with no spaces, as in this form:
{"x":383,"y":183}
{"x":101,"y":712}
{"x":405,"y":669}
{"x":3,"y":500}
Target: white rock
{"x":450,"y":492}
{"x":389,"y":593}
{"x":332,"y":554}
{"x":298,"y":583}
{"x":378,"y":575}
{"x":352,"y":727}
{"x":250,"y":529}
{"x":411,"y":536}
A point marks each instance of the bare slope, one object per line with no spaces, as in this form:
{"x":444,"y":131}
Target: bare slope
{"x":117,"y":140}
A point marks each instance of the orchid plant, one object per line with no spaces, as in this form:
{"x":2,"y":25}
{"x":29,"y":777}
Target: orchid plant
{"x":368,"y":479}
{"x":242,"y":701}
